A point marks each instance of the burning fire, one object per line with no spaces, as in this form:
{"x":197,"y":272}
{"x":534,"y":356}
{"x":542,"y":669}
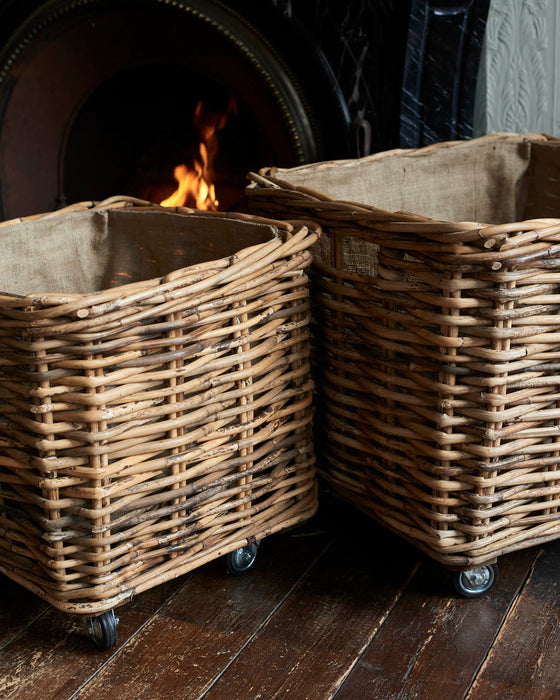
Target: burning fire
{"x":195,"y":186}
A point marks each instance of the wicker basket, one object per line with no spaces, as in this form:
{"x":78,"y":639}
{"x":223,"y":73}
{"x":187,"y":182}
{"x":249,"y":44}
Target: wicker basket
{"x":148,"y":427}
{"x":438,"y":338}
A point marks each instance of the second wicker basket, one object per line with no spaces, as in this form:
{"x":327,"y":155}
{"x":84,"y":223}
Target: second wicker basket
{"x":437,"y":285}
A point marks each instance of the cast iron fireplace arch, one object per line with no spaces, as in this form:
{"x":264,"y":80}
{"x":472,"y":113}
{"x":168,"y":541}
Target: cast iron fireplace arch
{"x":63,"y":54}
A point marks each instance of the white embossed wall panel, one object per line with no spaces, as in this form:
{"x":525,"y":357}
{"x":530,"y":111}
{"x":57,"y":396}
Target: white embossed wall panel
{"x":519,"y":71}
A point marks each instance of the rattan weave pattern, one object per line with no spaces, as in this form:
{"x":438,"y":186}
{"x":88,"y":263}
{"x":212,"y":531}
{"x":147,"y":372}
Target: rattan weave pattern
{"x":438,"y":342}
{"x":150,"y":427}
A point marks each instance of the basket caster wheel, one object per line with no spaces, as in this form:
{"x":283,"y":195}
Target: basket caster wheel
{"x":241,"y":560}
{"x":103,"y":630}
{"x":476,"y":582}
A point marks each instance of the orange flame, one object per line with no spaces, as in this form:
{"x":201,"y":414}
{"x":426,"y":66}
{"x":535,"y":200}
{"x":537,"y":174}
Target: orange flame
{"x":195,"y":184}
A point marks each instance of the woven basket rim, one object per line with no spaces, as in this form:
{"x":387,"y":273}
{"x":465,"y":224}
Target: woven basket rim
{"x":271,"y":176}
{"x":280,"y":231}
{"x":502,"y":136}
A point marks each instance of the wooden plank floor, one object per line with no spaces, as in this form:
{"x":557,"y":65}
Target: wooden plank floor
{"x":338,"y":608}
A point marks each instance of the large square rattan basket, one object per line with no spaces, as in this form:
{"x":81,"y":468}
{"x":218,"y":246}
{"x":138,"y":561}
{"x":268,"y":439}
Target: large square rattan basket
{"x":155,"y":395}
{"x":438,"y":337}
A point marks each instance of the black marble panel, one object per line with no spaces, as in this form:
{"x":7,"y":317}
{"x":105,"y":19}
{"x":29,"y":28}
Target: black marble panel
{"x":444,"y":45}
{"x":364,"y":45}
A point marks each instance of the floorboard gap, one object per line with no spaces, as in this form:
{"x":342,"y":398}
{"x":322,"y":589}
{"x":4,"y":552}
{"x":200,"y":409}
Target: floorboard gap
{"x":375,"y":630}
{"x":267,"y":619}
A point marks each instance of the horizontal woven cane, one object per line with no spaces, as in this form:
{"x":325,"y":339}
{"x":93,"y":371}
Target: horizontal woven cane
{"x":437,"y":299}
{"x":149,"y":427}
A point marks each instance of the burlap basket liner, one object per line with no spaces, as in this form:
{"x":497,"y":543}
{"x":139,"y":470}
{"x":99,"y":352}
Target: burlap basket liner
{"x":155,"y":395}
{"x":438,"y":337}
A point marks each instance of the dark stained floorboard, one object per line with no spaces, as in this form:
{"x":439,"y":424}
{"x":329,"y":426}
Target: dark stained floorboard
{"x":524,"y":662}
{"x":338,"y":608}
{"x":432,"y":645}
{"x":52,"y":658}
{"x":314,"y":639}
{"x":18,"y":609}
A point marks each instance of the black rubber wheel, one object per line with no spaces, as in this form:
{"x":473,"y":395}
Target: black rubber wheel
{"x":476,"y":582}
{"x":103,"y":629}
{"x":241,"y":560}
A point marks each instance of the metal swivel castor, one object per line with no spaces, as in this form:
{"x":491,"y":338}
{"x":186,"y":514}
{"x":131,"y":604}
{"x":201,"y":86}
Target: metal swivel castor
{"x":476,"y":582}
{"x":241,"y":560}
{"x":103,"y":629}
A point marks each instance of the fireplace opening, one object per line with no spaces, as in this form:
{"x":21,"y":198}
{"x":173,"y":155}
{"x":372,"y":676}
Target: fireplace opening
{"x":136,"y":149}
{"x":99,"y":98}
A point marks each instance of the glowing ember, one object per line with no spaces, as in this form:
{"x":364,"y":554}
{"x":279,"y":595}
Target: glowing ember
{"x":195,"y":186}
